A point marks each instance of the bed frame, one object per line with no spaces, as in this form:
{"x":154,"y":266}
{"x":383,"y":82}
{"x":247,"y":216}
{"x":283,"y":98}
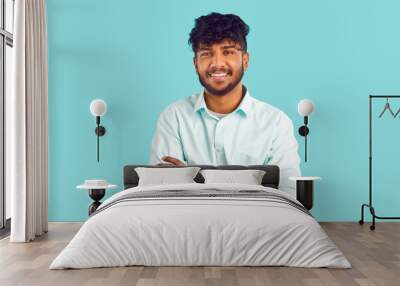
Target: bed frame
{"x":270,"y":179}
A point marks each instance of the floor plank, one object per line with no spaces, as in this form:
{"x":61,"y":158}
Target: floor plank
{"x":375,"y":257}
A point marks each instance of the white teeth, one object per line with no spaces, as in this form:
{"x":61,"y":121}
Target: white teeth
{"x":218,"y":74}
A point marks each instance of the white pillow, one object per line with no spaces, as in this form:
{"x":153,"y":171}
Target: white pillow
{"x":248,"y":177}
{"x":163,"y":176}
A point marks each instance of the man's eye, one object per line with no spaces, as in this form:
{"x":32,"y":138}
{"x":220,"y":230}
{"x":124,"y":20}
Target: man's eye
{"x":205,"y":54}
{"x":228,"y":52}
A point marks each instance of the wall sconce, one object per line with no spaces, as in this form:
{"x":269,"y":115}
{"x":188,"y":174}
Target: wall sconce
{"x":98,"y":108}
{"x":305,"y":107}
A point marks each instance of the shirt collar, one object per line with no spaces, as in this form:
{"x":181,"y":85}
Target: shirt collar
{"x":244,"y":106}
{"x":200,"y":102}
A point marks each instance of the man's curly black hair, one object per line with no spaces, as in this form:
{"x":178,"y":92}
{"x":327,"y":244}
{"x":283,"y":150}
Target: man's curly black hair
{"x":215,"y":27}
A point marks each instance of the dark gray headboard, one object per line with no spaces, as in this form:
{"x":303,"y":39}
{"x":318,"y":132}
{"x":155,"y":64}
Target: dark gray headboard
{"x":270,"y":179}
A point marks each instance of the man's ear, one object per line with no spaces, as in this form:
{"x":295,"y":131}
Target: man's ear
{"x":245,"y":60}
{"x":195,"y":63}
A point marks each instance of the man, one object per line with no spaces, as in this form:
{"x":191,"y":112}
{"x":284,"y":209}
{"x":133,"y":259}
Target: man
{"x":224,"y":125}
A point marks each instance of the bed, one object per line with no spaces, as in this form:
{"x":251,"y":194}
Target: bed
{"x":201,"y":224}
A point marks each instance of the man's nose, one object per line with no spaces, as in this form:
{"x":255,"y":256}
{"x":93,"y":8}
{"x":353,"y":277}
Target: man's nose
{"x":217,"y":61}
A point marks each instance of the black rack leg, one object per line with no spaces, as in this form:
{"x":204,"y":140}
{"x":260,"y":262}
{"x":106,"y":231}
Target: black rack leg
{"x":372,"y":210}
{"x":374,"y":216}
{"x":372,"y":227}
{"x":361,"y":221}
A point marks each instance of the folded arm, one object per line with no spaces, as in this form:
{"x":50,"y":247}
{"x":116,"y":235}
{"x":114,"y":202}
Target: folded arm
{"x":285,"y":155}
{"x":166,"y":143}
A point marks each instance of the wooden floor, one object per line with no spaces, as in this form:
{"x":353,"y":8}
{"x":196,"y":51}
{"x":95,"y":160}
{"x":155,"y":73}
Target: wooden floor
{"x":374,"y":255}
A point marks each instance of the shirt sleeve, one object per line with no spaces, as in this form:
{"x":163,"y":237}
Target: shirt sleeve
{"x":284,"y":153}
{"x":166,"y":140}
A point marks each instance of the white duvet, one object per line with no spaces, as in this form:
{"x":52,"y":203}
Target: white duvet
{"x":200,"y":231}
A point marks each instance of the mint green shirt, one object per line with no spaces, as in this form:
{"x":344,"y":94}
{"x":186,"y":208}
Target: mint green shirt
{"x":256,"y":133}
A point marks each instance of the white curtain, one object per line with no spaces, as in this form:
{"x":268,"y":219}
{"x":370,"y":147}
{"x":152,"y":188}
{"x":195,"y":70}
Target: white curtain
{"x":26,"y":159}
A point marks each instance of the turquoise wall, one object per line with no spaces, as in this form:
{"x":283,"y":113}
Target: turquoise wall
{"x":134,"y":55}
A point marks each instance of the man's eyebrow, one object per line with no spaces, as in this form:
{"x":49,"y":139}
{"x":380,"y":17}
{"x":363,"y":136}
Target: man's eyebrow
{"x":204,"y":48}
{"x":230,"y":47}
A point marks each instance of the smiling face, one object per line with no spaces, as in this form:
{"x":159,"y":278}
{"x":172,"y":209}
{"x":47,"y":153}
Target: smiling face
{"x":220,"y":66}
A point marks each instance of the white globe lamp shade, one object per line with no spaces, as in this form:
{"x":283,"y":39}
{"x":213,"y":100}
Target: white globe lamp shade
{"x":305,"y":107}
{"x":98,"y":107}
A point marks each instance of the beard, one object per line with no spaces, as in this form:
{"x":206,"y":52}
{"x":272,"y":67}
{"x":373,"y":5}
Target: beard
{"x":227,"y":89}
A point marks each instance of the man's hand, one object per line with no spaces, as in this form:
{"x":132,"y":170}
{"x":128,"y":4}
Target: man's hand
{"x":173,"y":161}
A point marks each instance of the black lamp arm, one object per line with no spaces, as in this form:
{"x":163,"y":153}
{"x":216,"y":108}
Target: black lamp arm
{"x":303,"y":131}
{"x":100,"y":131}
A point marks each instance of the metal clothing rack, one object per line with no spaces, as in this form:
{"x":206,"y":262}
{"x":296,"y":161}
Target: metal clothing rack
{"x":370,"y":204}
